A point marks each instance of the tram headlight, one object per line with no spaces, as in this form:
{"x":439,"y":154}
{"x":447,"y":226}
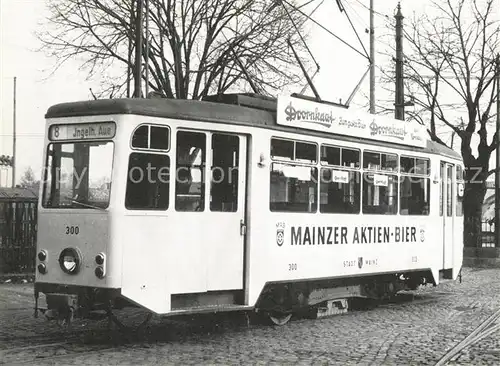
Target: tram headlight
{"x":42,"y":268}
{"x":70,"y":261}
{"x":42,"y":255}
{"x":100,"y":270}
{"x":99,"y":259}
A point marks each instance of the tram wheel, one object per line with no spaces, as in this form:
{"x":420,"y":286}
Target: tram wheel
{"x":279,"y":318}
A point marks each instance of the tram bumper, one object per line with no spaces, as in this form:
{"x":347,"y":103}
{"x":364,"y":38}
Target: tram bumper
{"x":67,"y":302}
{"x":61,"y":307}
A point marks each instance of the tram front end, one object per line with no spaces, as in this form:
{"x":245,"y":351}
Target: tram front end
{"x":75,"y":269}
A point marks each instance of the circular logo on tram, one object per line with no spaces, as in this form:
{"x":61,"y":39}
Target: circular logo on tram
{"x":280,"y":233}
{"x":280,"y":237}
{"x":422,"y":234}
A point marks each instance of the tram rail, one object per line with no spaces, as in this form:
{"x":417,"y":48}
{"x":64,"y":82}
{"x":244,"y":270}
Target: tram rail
{"x":483,"y":330}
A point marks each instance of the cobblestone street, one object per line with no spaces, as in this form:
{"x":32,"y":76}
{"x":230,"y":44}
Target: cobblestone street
{"x":418,"y":331}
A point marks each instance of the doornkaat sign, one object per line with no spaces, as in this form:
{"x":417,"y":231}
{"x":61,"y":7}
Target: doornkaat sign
{"x":310,"y":115}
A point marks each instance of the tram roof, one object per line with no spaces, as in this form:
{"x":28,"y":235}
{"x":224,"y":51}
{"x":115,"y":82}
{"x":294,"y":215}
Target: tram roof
{"x":233,"y":111}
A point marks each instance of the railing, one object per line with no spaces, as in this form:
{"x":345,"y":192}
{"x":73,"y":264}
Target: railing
{"x":488,"y":233}
{"x":17,"y":236}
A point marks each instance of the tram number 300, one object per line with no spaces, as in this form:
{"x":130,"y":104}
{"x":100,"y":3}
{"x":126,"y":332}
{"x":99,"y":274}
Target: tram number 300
{"x":292,"y":266}
{"x":72,"y":230}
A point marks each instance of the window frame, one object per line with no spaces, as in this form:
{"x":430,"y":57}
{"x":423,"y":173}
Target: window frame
{"x":149,"y":152}
{"x":367,"y":169}
{"x":45,"y":177}
{"x":358,"y":177}
{"x":365,"y":181}
{"x":315,"y":184}
{"x":424,"y":176}
{"x":210,"y":167}
{"x":149,"y":125}
{"x":293,"y":160}
{"x":429,"y":167}
{"x":295,"y":163}
{"x":204,"y":198}
{"x":341,"y":154}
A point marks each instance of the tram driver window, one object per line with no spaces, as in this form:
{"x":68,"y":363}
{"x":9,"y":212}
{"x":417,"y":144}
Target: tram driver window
{"x":189,"y":182}
{"x":147,"y":182}
{"x":380,"y":194}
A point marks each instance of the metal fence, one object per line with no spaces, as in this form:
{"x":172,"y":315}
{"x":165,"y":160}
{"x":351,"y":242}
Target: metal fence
{"x":488,"y":233}
{"x":18,"y":216}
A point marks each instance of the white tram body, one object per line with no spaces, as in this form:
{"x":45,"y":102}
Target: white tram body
{"x":241,"y":203}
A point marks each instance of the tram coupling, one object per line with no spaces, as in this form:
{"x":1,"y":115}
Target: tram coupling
{"x":61,"y":308}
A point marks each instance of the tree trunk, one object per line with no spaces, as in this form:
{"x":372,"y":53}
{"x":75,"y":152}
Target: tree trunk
{"x":475,"y":190}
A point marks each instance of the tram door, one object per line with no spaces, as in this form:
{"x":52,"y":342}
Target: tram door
{"x":214,"y":165}
{"x":226,"y":210}
{"x":446,"y":212}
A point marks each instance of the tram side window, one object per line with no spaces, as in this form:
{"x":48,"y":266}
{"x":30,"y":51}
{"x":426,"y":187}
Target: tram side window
{"x":441,"y":189}
{"x":339,"y":191}
{"x":282,"y":149}
{"x":151,"y":137}
{"x":460,"y":191}
{"x":291,"y":150}
{"x":189,"y":185}
{"x":160,"y":138}
{"x":140,"y":138}
{"x":294,"y":188}
{"x":380,"y":194}
{"x":224,"y":180}
{"x":148,"y":182}
{"x":351,"y":158}
{"x":330,"y":155}
{"x":414,"y":186}
{"x":450,"y":191}
{"x":380,"y":161}
{"x":415,"y":195}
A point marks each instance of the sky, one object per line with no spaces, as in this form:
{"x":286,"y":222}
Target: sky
{"x":37,"y":89}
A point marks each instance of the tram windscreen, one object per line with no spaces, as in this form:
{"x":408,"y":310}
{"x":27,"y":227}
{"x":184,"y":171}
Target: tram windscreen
{"x":78,"y":175}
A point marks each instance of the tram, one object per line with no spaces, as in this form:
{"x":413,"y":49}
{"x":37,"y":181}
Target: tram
{"x":240,"y":202}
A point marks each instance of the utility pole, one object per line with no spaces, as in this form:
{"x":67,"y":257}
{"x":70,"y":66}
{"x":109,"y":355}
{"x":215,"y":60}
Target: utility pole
{"x":130,"y":43}
{"x":372,"y":60}
{"x":400,"y":93}
{"x":138,"y":50}
{"x":14,"y":157}
{"x":497,"y":173}
{"x":147,"y":49}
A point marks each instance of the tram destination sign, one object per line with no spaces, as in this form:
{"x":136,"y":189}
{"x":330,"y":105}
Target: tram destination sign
{"x":310,"y":115}
{"x":82,"y":131}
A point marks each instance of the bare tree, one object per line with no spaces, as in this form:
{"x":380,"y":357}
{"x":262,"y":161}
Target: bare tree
{"x":28,"y":180}
{"x":450,"y":77}
{"x":195,"y":47}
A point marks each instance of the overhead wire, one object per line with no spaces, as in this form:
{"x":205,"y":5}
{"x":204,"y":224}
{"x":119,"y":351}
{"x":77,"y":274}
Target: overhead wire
{"x":324,"y":28}
{"x":300,"y":35}
{"x":356,"y":14}
{"x":374,"y":11}
{"x":339,"y":3}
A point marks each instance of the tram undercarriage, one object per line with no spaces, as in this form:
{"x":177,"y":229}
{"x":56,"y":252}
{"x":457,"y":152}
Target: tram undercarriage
{"x":277,"y":302}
